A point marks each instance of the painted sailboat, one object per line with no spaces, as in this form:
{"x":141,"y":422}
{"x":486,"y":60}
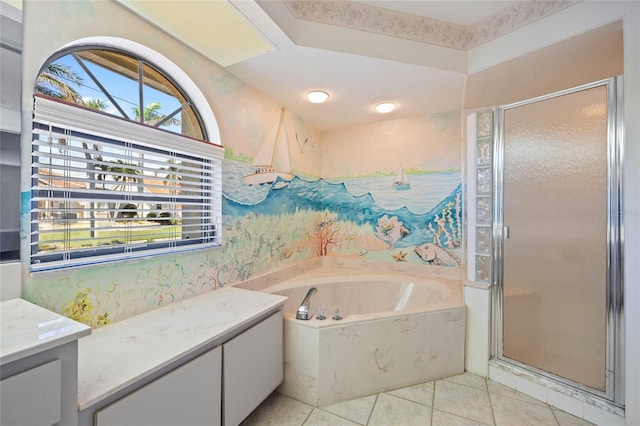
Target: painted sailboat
{"x":272,"y":160}
{"x":401,"y":182}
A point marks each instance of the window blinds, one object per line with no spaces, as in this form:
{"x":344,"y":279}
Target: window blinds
{"x":105,"y":189}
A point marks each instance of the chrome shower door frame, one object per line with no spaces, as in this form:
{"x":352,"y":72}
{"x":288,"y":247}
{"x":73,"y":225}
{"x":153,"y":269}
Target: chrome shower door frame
{"x":614,"y":358}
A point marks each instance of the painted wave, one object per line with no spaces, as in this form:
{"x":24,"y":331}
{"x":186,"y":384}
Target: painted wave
{"x":320,"y":195}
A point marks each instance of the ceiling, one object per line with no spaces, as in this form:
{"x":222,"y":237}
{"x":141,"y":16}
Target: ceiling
{"x":455,"y":12}
{"x":412,"y":52}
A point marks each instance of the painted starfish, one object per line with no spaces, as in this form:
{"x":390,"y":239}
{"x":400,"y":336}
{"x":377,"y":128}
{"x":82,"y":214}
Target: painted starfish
{"x":400,"y":256}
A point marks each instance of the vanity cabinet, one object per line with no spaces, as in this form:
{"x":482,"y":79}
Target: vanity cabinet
{"x":32,"y":397}
{"x":208,"y":390}
{"x":38,"y":365}
{"x":188,"y":395}
{"x":253,"y":368}
{"x":207,"y":360}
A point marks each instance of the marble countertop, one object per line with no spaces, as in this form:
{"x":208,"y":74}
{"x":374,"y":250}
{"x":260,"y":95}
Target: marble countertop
{"x":118,"y":355}
{"x":28,"y":329}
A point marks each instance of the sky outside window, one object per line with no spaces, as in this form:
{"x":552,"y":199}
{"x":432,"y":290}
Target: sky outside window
{"x":124,"y":89}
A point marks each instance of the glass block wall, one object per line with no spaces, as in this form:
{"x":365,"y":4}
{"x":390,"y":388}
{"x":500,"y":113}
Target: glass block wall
{"x":479,"y":196}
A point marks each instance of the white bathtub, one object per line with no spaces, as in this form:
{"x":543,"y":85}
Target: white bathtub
{"x":398,"y":330}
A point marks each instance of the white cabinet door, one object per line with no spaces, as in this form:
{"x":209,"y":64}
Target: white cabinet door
{"x":187,"y":396}
{"x":253,"y":368}
{"x":32,"y":397}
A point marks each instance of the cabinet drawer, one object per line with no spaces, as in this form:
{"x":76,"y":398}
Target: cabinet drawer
{"x":253,"y":368}
{"x":188,"y":396}
{"x":32,"y":397}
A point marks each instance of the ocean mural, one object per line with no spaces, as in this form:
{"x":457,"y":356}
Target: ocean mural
{"x":364,"y":216}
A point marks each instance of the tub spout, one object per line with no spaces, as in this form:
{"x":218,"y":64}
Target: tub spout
{"x":304,"y":310}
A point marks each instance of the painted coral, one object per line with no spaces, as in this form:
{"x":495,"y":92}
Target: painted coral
{"x":326,"y":235}
{"x":447,"y":229}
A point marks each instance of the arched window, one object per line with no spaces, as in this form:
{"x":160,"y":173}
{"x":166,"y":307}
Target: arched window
{"x":121,"y":166}
{"x":120,"y":84}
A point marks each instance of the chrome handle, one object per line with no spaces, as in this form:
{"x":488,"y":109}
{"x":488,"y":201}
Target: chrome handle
{"x":303,"y":313}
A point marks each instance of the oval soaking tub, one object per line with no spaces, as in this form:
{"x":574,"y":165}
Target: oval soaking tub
{"x":397,"y":330}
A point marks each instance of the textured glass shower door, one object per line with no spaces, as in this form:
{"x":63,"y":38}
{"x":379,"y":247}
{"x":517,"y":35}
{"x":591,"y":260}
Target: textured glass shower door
{"x":554,"y":235}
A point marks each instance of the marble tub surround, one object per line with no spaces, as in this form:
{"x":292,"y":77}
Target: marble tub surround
{"x":464,"y":399}
{"x":118,"y":356}
{"x":336,"y":266}
{"x":260,"y":282}
{"x":398,"y":330}
{"x":365,"y":296}
{"x":341,"y":363}
{"x":28,"y":329}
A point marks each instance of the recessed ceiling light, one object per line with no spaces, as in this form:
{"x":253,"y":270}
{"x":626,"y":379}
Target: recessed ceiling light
{"x":317,"y":96}
{"x":385,"y":107}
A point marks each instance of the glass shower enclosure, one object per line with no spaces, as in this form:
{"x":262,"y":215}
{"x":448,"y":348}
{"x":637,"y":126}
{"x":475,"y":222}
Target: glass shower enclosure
{"x":557,"y":237}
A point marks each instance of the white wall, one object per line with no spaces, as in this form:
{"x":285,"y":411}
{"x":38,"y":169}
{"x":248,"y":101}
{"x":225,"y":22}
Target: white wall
{"x":632,"y":209}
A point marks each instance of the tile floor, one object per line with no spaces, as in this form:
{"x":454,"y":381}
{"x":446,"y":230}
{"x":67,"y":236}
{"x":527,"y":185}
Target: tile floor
{"x":465,"y":399}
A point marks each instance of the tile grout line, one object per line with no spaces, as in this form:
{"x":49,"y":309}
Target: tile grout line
{"x":404,"y":398}
{"x":339,"y":416}
{"x":543,"y":404}
{"x":308,"y":415}
{"x":493,"y":414}
{"x":433,"y":402}
{"x":547,"y":405}
{"x":486,"y":389}
{"x":455,"y":413}
{"x":554,"y":415}
{"x":373,"y":407}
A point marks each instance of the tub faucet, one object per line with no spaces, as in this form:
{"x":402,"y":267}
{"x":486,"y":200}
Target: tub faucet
{"x":304,"y":310}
